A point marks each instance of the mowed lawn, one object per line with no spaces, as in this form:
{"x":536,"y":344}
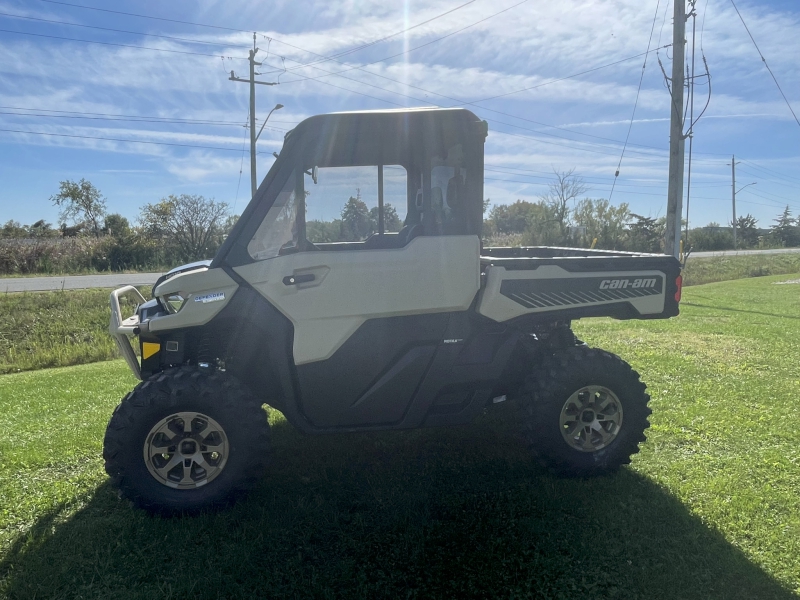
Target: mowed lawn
{"x":709,"y":509}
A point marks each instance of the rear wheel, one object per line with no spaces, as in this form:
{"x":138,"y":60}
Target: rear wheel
{"x":585,"y":412}
{"x":185,"y":440}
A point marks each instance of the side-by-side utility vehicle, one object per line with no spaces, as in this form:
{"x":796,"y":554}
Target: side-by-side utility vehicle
{"x":354,"y":294}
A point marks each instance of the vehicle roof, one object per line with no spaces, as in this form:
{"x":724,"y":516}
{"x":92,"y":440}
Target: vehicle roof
{"x":412,"y":117}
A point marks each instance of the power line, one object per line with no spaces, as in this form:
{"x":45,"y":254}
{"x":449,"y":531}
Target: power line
{"x":588,"y":180}
{"x":544,"y":184}
{"x":775,"y":79}
{"x":166,"y":37}
{"x":383,"y":89}
{"x":325,"y":58}
{"x":527,"y":89}
{"x":124,"y":118}
{"x":127,"y":14}
{"x":74,"y":112}
{"x":241,"y":163}
{"x":462,"y":102}
{"x":349,"y":51}
{"x":791,"y":185}
{"x":755,"y":165}
{"x":439,"y":39}
{"x":383,"y":39}
{"x":93,"y":137}
{"x":636,"y":101}
{"x":368,"y":72}
{"x":57,"y":37}
{"x":459,"y":101}
{"x":782,"y":199}
{"x":642,"y":158}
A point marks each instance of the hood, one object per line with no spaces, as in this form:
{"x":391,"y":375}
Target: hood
{"x":194,"y":266}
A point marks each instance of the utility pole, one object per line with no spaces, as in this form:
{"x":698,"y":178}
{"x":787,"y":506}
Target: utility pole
{"x":676,"y":137}
{"x":733,"y":197}
{"x":252,"y":81}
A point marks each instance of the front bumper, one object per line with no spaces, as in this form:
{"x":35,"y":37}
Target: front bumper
{"x":121,"y":329}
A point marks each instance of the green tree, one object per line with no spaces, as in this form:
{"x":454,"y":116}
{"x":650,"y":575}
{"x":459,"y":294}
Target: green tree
{"x":514,"y":218}
{"x":391,"y":220}
{"x":42,"y":229}
{"x":322,"y":232}
{"x":189,"y":225}
{"x":785,"y":230}
{"x":13,"y":229}
{"x":116,"y":225}
{"x":711,"y":237}
{"x":747,"y":231}
{"x":80,"y":202}
{"x":356,"y":224}
{"x":603,"y":221}
{"x":645,"y":234}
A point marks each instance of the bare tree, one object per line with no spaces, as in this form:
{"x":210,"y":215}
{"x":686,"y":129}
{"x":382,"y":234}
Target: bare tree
{"x":566,"y":187}
{"x":191,"y":224}
{"x":80,"y":201}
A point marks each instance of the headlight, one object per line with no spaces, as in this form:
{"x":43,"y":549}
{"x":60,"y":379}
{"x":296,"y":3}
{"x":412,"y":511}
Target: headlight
{"x":173,"y":302}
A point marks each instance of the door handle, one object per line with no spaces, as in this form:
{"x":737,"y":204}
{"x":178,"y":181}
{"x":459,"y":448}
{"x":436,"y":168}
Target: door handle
{"x":296,"y":279}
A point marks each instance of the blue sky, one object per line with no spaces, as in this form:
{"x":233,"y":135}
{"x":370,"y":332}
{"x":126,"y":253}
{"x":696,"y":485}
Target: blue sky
{"x":53,"y":85}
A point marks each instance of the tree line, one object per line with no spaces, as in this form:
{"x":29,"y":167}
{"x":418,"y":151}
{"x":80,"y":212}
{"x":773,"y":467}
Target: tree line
{"x":178,"y":228}
{"x":564,"y":216}
{"x":184,"y":228}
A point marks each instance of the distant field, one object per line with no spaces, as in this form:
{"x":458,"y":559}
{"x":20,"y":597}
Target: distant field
{"x":708,"y":510}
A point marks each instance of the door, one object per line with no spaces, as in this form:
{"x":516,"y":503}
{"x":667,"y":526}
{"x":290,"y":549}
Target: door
{"x":369,"y":305}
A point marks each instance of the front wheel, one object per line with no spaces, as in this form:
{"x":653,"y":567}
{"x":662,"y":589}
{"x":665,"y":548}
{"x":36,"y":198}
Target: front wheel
{"x":186,"y":439}
{"x":585,"y":412}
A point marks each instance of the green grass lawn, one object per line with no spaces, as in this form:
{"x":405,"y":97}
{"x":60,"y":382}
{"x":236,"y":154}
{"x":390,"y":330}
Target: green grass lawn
{"x":708,"y":509}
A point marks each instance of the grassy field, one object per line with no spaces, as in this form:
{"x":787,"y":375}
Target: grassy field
{"x":55,"y":329}
{"x":727,"y":268}
{"x":708,"y":509}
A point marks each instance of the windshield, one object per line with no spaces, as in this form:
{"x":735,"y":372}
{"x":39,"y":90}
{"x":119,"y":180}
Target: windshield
{"x":278,"y":231}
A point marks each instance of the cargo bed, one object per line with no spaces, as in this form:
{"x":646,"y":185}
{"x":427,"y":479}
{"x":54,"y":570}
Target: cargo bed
{"x":543,"y":283}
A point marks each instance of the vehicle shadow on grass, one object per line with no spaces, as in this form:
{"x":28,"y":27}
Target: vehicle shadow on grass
{"x":450,"y":513}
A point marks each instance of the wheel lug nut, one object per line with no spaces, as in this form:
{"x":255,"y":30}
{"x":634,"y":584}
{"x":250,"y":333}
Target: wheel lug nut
{"x":214,"y":455}
{"x":165,"y":456}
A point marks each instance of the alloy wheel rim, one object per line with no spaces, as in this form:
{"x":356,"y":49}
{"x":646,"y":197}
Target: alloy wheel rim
{"x":591,"y":418}
{"x":186,"y":450}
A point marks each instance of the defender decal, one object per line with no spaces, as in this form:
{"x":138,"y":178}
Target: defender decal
{"x":213,"y":297}
{"x":564,"y":292}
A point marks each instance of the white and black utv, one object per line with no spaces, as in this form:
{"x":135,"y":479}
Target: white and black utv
{"x":353,"y":294}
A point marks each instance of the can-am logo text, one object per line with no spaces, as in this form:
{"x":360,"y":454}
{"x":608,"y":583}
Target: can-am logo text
{"x":621,"y":284}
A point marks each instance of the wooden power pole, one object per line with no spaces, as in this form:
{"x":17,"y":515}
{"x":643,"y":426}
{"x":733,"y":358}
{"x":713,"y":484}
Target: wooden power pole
{"x":672,"y":241}
{"x":252,"y":81}
{"x":733,"y":197}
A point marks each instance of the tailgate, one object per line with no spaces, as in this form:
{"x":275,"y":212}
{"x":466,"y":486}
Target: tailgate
{"x":623,"y":287}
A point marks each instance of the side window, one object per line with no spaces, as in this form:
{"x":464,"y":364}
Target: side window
{"x":343,"y":205}
{"x":278,"y":230}
{"x":448,"y":210}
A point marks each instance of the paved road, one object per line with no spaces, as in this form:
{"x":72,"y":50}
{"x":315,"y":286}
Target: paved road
{"x":75,"y":282}
{"x":744,"y":252}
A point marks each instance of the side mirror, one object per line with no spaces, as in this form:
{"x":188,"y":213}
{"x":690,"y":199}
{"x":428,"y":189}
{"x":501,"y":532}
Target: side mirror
{"x":314,"y":173}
